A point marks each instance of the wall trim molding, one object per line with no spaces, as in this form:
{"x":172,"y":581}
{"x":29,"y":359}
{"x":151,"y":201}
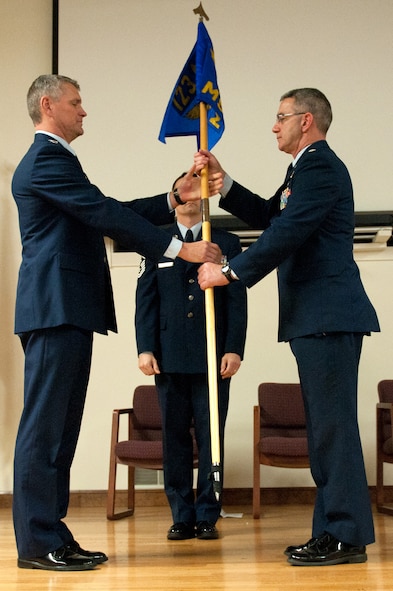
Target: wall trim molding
{"x":231,"y":496}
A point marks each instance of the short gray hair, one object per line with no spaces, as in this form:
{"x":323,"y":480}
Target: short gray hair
{"x":47,"y":84}
{"x":315,"y":102}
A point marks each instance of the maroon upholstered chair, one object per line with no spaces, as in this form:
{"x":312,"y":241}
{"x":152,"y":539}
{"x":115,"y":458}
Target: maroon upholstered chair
{"x":280,"y":437}
{"x":141,"y":449}
{"x":384,"y":439}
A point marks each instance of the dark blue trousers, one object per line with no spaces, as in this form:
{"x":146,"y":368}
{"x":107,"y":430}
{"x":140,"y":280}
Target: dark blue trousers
{"x":328,"y":370}
{"x":183,"y":398}
{"x":57,"y":367}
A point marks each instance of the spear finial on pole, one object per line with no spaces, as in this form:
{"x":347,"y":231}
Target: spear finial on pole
{"x":201,"y":12}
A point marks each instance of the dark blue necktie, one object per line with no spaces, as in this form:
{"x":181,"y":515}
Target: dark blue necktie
{"x":189,"y":236}
{"x":289,"y":173}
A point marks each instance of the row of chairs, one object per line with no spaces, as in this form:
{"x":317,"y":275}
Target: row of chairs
{"x":279,"y":439}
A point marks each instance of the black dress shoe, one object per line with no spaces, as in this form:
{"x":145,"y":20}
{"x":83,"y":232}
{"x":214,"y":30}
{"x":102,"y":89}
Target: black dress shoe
{"x":181,"y":531}
{"x":327,"y":550}
{"x":75,"y":551}
{"x":294,"y":549}
{"x":60,"y":560}
{"x":206,"y":531}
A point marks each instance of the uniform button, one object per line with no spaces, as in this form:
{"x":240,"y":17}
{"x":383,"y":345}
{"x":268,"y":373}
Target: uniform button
{"x":190,"y":315}
{"x":191,"y":281}
{"x":190,"y":297}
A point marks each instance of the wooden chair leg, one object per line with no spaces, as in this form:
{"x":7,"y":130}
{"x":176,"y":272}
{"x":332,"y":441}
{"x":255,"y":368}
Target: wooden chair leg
{"x":131,"y":489}
{"x":379,"y":485}
{"x":110,"y":504}
{"x":380,"y":492}
{"x":379,"y":467}
{"x":111,"y":497}
{"x":256,"y":488}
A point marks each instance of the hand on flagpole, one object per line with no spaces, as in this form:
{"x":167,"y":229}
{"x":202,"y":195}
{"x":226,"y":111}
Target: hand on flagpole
{"x":205,"y":158}
{"x":210,"y":275}
{"x":189,"y":189}
{"x":200,"y":251}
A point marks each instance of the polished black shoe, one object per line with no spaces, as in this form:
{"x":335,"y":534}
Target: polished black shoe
{"x":59,"y":560}
{"x":327,"y":550}
{"x":75,"y":551}
{"x":206,"y":531}
{"x":181,"y":531}
{"x":295,"y":549}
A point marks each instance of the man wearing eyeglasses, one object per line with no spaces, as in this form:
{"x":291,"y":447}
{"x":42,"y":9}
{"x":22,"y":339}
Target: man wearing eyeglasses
{"x":324,"y":313}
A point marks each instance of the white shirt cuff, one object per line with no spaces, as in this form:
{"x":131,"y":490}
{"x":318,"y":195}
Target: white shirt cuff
{"x":173,"y":249}
{"x":228,"y":182}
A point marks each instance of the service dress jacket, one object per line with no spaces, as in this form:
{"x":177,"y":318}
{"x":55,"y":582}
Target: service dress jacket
{"x":64,"y":276}
{"x":310,"y":242}
{"x":170,"y":311}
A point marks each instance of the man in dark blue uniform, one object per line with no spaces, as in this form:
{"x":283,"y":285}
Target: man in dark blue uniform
{"x":324,"y":313}
{"x":65,"y":295}
{"x":171,"y":341}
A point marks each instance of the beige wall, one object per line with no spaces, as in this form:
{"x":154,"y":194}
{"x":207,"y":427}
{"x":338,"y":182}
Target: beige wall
{"x":25,"y":49}
{"x":111,"y":153}
{"x":127,"y":61}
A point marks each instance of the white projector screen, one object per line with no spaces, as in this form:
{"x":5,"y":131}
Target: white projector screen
{"x":127,"y":55}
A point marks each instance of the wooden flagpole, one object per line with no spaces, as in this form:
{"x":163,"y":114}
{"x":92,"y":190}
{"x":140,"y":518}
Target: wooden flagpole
{"x":216,"y":475}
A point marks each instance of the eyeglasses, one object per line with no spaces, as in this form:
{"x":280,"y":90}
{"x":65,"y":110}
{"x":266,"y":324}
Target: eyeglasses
{"x":281,"y":116}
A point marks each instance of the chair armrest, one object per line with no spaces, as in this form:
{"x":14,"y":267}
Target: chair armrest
{"x":257,"y":425}
{"x":116,"y":423}
{"x":381,"y":407}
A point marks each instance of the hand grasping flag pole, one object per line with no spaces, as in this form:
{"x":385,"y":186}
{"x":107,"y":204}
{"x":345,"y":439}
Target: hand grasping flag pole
{"x":195,"y":109}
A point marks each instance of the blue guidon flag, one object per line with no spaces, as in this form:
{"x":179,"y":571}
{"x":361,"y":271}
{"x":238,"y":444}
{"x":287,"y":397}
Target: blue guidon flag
{"x":197,"y":83}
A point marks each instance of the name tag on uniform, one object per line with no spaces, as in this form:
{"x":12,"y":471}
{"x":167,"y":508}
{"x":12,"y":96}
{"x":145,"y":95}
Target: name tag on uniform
{"x":166,"y":264}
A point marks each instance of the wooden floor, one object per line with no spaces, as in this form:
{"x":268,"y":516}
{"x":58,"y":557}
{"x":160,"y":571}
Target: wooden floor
{"x":248,"y":556}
